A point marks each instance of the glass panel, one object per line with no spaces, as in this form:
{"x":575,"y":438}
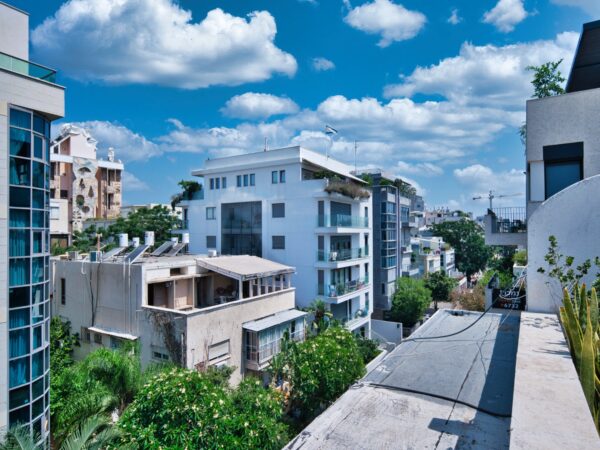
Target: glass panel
{"x":18,"y":318}
{"x":19,"y":171}
{"x":38,"y":147}
{"x":37,"y":365}
{"x":37,"y":312}
{"x":18,"y":243}
{"x":19,"y":416}
{"x":18,"y":297}
{"x":18,"y":343}
{"x":20,"y":118}
{"x":37,"y":388}
{"x":19,"y":218}
{"x":37,"y":241}
{"x":18,"y":270}
{"x":20,"y":197}
{"x":38,"y":174}
{"x":19,"y":371}
{"x":37,"y":337}
{"x":38,"y":408}
{"x":37,"y":294}
{"x":39,"y":125}
{"x":19,"y":397}
{"x":20,"y":143}
{"x":560,"y":175}
{"x":37,"y":270}
{"x":38,"y":199}
{"x":37,"y":218}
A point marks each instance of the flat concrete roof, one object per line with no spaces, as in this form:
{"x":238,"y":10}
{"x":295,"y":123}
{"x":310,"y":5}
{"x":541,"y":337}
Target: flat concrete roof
{"x":448,"y":392}
{"x":244,"y":267}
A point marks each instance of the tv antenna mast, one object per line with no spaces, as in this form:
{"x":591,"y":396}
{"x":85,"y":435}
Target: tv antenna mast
{"x":491,"y":196}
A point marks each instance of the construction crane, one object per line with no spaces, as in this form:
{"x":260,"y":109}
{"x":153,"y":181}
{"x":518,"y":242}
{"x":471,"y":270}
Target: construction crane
{"x":491,"y":196}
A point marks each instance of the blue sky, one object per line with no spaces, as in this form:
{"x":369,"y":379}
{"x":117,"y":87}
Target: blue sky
{"x":432,"y":91}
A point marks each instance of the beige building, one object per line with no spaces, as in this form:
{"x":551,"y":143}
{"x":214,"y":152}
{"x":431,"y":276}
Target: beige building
{"x":82,"y":187}
{"x":192,"y":310}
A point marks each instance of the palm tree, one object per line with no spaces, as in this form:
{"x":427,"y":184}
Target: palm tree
{"x":322,"y":315}
{"x":19,"y":438}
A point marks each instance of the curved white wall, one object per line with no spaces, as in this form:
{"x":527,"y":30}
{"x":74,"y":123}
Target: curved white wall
{"x":573,"y":216}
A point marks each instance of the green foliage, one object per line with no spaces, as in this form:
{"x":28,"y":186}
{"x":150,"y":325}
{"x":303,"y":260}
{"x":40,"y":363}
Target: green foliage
{"x":188,"y":189}
{"x":466,"y":237}
{"x":187,"y":409}
{"x":562,"y":267}
{"x":322,"y":315}
{"x":159,"y":219}
{"x":520,"y":258}
{"x":470,"y":300}
{"x":547,"y":79}
{"x":348,"y":189}
{"x":410,"y":301}
{"x":502,"y":259}
{"x":19,"y":438}
{"x":368,"y":178}
{"x":440,"y":285}
{"x":318,"y":370}
{"x":368,"y":348}
{"x":62,"y":344}
{"x":505,"y":279}
{"x":579,"y":317}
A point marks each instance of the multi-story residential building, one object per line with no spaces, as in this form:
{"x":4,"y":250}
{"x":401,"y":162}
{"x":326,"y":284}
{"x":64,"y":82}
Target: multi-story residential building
{"x":82,"y":187}
{"x":191,"y":310}
{"x":29,"y":100}
{"x":440,"y":215}
{"x":297,"y":207}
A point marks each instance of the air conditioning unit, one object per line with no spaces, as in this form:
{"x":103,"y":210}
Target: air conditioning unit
{"x":95,"y":256}
{"x":73,"y":255}
{"x":212,"y":253}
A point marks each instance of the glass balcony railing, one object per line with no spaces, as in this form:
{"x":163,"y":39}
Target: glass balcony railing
{"x":339,"y":289}
{"x":342,"y":254}
{"x":30,"y":69}
{"x":341,"y":220}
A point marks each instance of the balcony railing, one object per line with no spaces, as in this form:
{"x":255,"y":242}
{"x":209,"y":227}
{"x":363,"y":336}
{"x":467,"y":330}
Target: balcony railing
{"x":509,"y":220}
{"x":267,"y":350}
{"x":30,"y":69}
{"x":337,"y":290}
{"x":343,"y":254}
{"x":341,"y":220}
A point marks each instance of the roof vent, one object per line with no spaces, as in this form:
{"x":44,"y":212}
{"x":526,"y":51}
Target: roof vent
{"x":212,"y":253}
{"x":135,"y":242}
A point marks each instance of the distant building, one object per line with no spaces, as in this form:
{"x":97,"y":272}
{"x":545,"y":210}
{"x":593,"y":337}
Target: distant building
{"x":82,"y":187}
{"x":297,"y":207}
{"x":30,"y":100}
{"x":440,"y":215}
{"x":195,"y":311}
{"x":128,"y":209}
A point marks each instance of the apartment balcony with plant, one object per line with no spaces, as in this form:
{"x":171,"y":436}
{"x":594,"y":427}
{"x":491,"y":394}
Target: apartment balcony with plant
{"x":341,"y":255}
{"x":336,"y":291}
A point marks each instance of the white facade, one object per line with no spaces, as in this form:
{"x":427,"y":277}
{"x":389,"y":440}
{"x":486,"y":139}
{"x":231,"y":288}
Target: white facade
{"x":326,"y":236}
{"x":29,"y":101}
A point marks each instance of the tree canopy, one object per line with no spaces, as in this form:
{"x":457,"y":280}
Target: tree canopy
{"x":410,"y":301}
{"x":466,"y":237}
{"x":440,"y":285}
{"x":547,"y":79}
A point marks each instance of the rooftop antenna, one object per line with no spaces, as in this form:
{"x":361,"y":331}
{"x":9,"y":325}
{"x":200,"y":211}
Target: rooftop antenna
{"x":491,"y":196}
{"x":266,"y":143}
{"x":355,"y":147}
{"x":330,"y":132}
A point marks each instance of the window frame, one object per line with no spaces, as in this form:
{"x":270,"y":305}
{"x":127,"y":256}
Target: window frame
{"x":274,"y":177}
{"x":211,"y":213}
{"x":273,"y":241}
{"x":280,"y":204}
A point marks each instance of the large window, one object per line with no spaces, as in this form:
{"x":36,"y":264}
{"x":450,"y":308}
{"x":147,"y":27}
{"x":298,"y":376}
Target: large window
{"x":211,"y":242}
{"x":278,"y":210}
{"x":278,"y":242}
{"x":241,"y":226}
{"x":563,"y":166}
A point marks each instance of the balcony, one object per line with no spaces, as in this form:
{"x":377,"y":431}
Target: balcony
{"x":342,"y":221}
{"x":27,"y":68}
{"x":411,"y":271}
{"x":334,"y":292}
{"x":342,"y":254}
{"x":506,"y":226}
{"x":262,"y":354}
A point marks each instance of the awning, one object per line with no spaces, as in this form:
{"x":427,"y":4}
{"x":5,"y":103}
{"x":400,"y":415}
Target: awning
{"x":244,"y":267}
{"x":275,"y":319}
{"x":117,"y":334}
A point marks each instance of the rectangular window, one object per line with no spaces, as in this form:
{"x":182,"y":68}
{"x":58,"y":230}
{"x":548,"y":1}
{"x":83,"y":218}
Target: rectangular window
{"x":217,"y":183}
{"x":211,"y":213}
{"x":278,"y":210}
{"x":211,"y":242}
{"x":63,"y":291}
{"x":212,"y":183}
{"x":54,"y":212}
{"x":282,"y":176}
{"x":86,"y":335}
{"x":252,"y":179}
{"x":245,"y":180}
{"x":560,"y":175}
{"x":274,"y":178}
{"x":224,"y":183}
{"x":278,"y":242}
{"x":160,"y":356}
{"x":238,"y":181}
{"x":98,"y":338}
{"x":219,"y":350}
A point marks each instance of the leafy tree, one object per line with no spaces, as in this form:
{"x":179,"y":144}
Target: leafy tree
{"x":318,"y":370}
{"x":505,"y":280}
{"x":188,"y":189}
{"x":159,"y":219}
{"x":501,"y":259}
{"x":470,"y":300}
{"x":466,"y":237}
{"x":368,"y":348}
{"x":180,"y":408}
{"x":520,"y":258}
{"x":322,"y":316}
{"x":62,"y":344}
{"x":440,"y":285}
{"x":410,"y":301}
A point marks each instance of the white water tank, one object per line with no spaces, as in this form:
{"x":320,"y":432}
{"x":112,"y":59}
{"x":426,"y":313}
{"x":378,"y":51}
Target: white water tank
{"x":212,"y":253}
{"x":185,"y":238}
{"x":123,"y":240}
{"x":174,"y":240}
{"x":135,"y":242}
{"x":149,"y":238}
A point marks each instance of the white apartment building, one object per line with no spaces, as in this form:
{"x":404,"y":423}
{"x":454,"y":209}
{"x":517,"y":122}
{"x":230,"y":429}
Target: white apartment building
{"x":192,"y":310}
{"x":297,"y":207}
{"x":30,"y":100}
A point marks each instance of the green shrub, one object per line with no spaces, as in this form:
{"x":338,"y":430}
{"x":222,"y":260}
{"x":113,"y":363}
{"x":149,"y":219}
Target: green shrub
{"x":410,"y":301}
{"x":368,"y":348}
{"x":520,"y":258}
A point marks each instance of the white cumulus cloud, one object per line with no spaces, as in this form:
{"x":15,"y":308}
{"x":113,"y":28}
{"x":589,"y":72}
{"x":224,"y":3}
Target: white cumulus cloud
{"x":592,"y":7}
{"x":322,"y":64}
{"x":454,"y":18}
{"x":487,"y":75}
{"x":252,"y":105}
{"x":157,"y":42}
{"x":480,"y":179}
{"x":425,"y":169}
{"x":390,"y":20}
{"x":133,"y":183}
{"x":506,"y":14}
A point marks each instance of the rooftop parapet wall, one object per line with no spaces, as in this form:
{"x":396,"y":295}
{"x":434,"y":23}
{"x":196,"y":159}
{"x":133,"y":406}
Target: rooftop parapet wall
{"x":573,"y":217}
